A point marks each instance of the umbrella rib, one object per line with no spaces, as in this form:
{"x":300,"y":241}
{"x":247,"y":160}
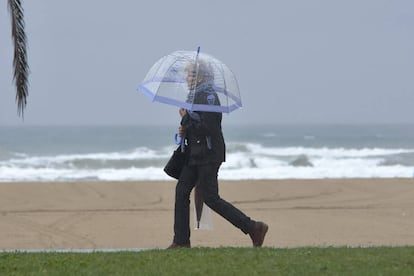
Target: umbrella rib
{"x":225,"y":84}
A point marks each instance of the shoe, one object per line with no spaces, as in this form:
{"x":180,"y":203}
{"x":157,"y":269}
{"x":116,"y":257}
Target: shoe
{"x":177,"y":246}
{"x":258,"y":234}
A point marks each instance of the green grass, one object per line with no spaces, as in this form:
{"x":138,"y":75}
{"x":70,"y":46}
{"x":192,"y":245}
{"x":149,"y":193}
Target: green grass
{"x":217,"y":261}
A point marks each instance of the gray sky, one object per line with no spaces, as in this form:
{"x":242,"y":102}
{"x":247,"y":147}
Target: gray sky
{"x":296,"y":61}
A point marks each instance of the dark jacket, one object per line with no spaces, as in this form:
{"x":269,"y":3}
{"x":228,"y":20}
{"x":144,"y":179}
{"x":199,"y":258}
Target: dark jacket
{"x":204,"y":137}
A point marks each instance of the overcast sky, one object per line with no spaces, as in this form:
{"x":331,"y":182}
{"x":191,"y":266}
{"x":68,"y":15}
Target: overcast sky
{"x":297,"y":61}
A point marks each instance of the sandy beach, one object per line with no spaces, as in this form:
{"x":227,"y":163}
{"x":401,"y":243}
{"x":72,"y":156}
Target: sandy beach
{"x":96,"y":215}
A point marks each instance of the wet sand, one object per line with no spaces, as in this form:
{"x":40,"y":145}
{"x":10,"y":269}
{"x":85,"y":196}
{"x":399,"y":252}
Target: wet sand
{"x":96,"y":215}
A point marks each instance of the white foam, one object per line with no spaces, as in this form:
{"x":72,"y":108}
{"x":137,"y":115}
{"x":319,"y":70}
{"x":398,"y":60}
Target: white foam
{"x":324,"y":151}
{"x":136,"y":154}
{"x":244,"y":161}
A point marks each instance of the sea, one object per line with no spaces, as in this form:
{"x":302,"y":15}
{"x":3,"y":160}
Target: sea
{"x":131,"y":153}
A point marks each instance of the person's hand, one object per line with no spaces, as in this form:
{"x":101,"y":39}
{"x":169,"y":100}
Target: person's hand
{"x":181,"y":131}
{"x":182,"y":112}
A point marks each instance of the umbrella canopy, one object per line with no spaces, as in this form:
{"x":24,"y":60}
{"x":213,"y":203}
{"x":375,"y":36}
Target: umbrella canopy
{"x":177,"y":78}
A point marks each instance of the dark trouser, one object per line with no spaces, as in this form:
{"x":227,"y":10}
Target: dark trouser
{"x":206,"y":178}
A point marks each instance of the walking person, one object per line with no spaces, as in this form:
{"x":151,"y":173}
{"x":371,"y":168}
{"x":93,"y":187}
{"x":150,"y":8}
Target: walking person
{"x":205,"y":152}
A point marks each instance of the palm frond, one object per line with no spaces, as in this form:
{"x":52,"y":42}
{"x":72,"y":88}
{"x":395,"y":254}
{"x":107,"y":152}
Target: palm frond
{"x":20,"y":63}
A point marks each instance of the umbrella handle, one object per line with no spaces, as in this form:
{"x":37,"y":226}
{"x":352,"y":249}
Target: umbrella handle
{"x":177,"y":139}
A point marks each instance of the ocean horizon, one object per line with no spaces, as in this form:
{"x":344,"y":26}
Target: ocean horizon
{"x":133,"y":153}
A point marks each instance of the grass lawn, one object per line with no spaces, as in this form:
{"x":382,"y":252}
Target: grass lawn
{"x":217,"y":261}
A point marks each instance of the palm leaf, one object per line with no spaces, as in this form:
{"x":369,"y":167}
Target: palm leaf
{"x":21,"y":67}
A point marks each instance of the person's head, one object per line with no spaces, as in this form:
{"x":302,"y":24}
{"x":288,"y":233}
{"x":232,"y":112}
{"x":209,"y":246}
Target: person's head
{"x":203,"y":71}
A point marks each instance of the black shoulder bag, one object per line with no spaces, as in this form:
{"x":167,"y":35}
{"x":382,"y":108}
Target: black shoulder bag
{"x":175,"y":164}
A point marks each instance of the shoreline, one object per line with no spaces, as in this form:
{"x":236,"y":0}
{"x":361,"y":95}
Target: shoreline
{"x":139,"y":214}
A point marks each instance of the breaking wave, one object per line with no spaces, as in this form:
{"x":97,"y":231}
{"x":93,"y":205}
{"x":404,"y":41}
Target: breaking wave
{"x":244,"y":161}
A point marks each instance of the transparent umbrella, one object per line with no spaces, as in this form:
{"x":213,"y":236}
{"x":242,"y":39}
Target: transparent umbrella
{"x":168,"y":82}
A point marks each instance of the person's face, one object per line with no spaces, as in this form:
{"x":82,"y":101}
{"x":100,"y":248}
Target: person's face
{"x":191,"y":77}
